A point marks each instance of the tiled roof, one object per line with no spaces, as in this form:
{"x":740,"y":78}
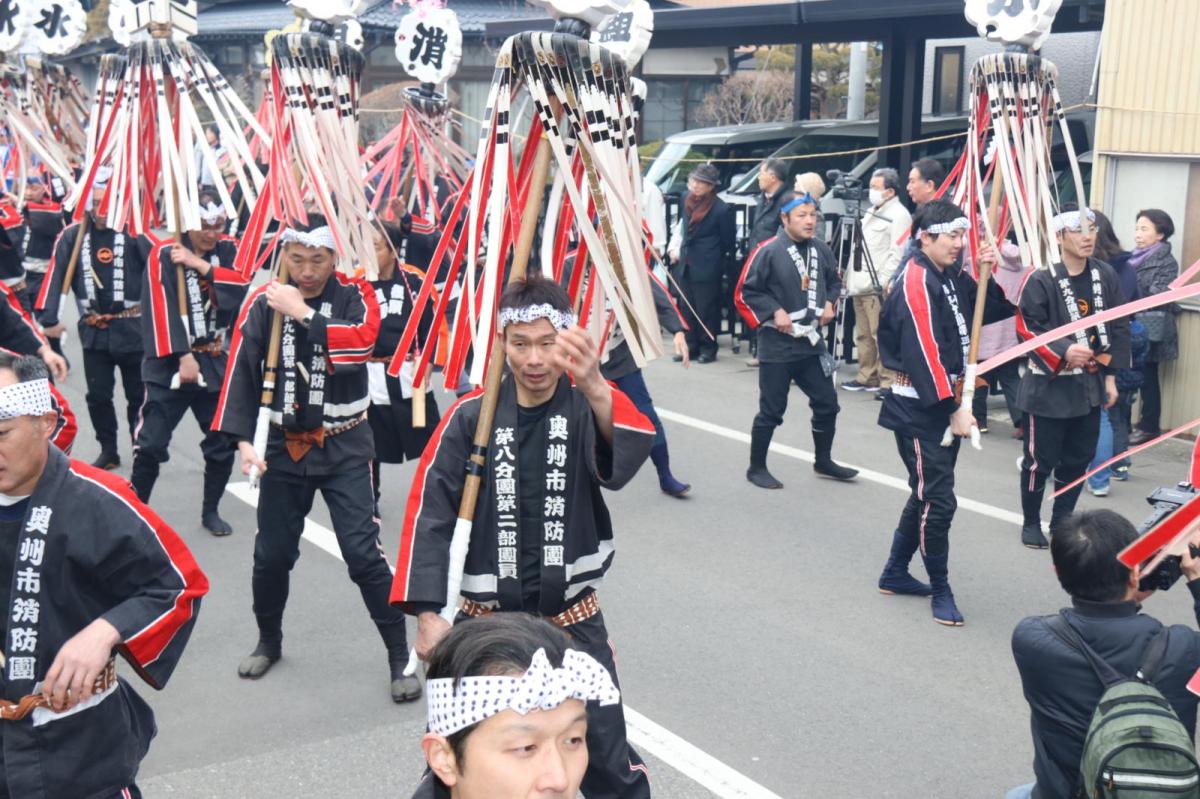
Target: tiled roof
{"x":245,"y":17}
{"x":260,"y":16}
{"x":473,"y":15}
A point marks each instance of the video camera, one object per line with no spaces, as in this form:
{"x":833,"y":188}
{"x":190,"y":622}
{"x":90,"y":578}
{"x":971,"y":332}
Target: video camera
{"x":1165,"y":501}
{"x":845,"y":186}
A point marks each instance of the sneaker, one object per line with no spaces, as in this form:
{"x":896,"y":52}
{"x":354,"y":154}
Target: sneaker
{"x":1102,"y":491}
{"x":1120,"y":473}
{"x":753,"y":361}
{"x":1141,"y":437}
{"x":854,"y":385}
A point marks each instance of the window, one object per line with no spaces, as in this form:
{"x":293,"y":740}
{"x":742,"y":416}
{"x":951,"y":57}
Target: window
{"x":233,"y":56}
{"x":472,"y":102}
{"x":663,"y":113}
{"x":948,"y":80}
{"x":383,"y":55}
{"x":672,"y":105}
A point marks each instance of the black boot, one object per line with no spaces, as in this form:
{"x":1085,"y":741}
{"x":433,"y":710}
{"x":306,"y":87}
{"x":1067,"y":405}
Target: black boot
{"x":269,"y":649}
{"x":108,"y":459}
{"x":1064,"y":504}
{"x":895,"y":578}
{"x":1031,"y":511}
{"x":215,"y":479}
{"x":405,"y":688}
{"x":143,"y":475}
{"x":662,"y":464}
{"x":944,"y":610}
{"x":760,"y":441}
{"x":823,"y":463}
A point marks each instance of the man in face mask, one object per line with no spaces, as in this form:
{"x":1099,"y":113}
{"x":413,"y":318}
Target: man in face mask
{"x":884,"y":228}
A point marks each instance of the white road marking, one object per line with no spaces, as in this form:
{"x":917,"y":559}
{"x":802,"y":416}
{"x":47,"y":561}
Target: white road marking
{"x":863,"y":473}
{"x":696,"y":765}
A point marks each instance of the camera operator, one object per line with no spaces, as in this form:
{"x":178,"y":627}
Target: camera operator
{"x":1059,"y":683}
{"x":884,"y":228}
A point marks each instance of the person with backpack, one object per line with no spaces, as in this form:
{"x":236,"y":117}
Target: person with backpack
{"x":1096,"y":649}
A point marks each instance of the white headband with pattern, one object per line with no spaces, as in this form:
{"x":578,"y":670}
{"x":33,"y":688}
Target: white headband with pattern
{"x":211,"y":214}
{"x":317,"y":237}
{"x":960,"y":223}
{"x":27,"y":398}
{"x":1069,"y":220}
{"x":562,"y":320}
{"x":541,"y":687}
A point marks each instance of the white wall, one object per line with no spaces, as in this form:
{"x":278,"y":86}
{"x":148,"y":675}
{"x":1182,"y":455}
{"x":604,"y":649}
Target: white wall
{"x":1073,"y":53}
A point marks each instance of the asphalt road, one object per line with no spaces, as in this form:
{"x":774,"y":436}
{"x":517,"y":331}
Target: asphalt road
{"x":747,"y":625}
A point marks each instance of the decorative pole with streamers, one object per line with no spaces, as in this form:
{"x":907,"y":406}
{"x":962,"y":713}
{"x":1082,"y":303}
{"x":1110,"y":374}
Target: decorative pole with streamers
{"x":580,"y":90}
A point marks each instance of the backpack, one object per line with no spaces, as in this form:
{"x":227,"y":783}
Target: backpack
{"x":1130,"y":380}
{"x":1136,"y":747}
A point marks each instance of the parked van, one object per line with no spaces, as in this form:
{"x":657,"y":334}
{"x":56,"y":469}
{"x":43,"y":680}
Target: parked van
{"x":682,"y":152}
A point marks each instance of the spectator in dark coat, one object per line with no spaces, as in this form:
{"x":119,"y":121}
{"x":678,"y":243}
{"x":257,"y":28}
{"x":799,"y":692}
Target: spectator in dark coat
{"x":1060,"y":686}
{"x":772,"y":179}
{"x":701,"y":248}
{"x":1156,"y":267}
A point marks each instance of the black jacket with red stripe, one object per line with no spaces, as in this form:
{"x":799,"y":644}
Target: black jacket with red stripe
{"x":586,"y":534}
{"x":771,"y":280}
{"x":12,"y":244}
{"x":120,"y":335}
{"x":88,"y":550}
{"x":346,"y":327}
{"x":1048,"y":387}
{"x":43,"y":222}
{"x":167,"y":337}
{"x":920,"y":338}
{"x":18,"y":331}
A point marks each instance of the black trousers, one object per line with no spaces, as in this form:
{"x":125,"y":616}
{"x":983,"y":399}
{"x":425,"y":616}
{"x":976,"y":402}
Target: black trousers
{"x":704,"y":297}
{"x":931,"y":501}
{"x":615,"y":769}
{"x":1062,"y":446}
{"x":99,"y":368}
{"x":162,"y":411}
{"x":283,"y":503}
{"x":775,"y":381}
{"x":1151,"y":399}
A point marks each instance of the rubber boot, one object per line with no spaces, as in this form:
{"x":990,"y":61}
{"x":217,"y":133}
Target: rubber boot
{"x":823,"y":463}
{"x":404,"y":688}
{"x":895,"y":578}
{"x":760,"y":441}
{"x":1031,"y":510}
{"x":108,"y":459}
{"x":1064,"y":505}
{"x":269,"y":649}
{"x":944,"y":610}
{"x":215,"y":479}
{"x":143,"y":475}
{"x":662,"y":464}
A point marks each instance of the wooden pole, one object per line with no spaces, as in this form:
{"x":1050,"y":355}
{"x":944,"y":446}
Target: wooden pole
{"x":495,"y":367}
{"x":418,"y":402}
{"x":460,"y":542}
{"x":270,"y":374}
{"x":985,"y":275}
{"x":69,"y":275}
